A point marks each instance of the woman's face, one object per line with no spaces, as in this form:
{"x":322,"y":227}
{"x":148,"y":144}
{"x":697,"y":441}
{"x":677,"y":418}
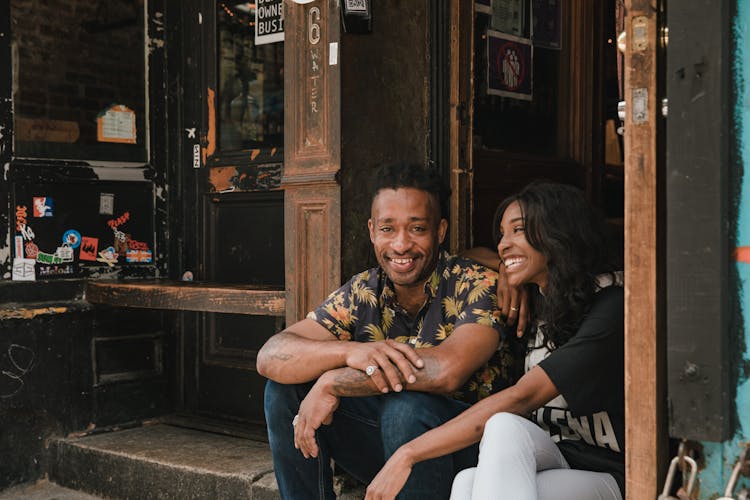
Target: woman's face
{"x":523,"y":263}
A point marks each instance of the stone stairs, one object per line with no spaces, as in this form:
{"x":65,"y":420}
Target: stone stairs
{"x":164,"y":462}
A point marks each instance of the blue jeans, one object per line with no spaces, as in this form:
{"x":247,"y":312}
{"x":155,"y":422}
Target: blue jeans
{"x":364,"y":433}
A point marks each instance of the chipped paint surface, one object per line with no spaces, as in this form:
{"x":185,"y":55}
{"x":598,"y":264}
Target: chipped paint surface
{"x":721,"y":457}
{"x":220,"y":178}
{"x":210,"y":141}
{"x":29,"y":313}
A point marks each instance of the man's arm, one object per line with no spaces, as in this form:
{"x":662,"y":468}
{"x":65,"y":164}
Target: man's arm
{"x":447,"y":366}
{"x":306,"y":350}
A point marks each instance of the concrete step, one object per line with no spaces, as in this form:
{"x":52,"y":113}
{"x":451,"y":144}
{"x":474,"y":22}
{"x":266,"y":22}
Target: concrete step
{"x":44,"y":490}
{"x":164,"y":462}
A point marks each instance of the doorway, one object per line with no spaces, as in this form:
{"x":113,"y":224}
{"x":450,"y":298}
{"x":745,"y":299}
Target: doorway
{"x":553,"y":115}
{"x":233,"y":142}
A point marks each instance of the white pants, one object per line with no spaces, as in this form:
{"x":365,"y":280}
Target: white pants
{"x":519,"y":461}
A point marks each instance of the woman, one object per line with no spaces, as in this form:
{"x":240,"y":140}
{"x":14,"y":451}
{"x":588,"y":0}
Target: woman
{"x":571,"y":445}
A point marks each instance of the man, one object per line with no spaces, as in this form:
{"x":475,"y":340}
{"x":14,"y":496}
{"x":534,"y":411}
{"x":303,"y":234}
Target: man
{"x":396,"y":351}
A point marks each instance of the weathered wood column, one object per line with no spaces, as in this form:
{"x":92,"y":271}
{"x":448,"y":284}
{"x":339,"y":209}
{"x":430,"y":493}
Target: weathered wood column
{"x":312,"y":202}
{"x":643,"y":348}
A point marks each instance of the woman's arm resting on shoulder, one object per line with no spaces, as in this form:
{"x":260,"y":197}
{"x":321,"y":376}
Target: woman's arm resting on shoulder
{"x":532,"y":391}
{"x":512,"y":301}
{"x":483,"y":255}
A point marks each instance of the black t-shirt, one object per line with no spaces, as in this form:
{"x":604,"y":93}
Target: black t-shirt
{"x":587,"y":420}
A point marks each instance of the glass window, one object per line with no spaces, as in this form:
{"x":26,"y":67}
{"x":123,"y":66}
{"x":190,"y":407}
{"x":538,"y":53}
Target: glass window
{"x":250,"y":99}
{"x":517,"y":76}
{"x":79,"y":80}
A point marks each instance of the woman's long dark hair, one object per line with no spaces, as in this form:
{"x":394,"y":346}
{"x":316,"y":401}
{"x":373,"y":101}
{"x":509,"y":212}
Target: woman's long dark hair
{"x":561,"y":224}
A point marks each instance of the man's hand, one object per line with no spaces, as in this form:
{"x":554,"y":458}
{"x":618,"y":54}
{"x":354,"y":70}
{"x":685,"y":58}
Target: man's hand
{"x":513,"y":302}
{"x":315,"y":410}
{"x":394,"y":363}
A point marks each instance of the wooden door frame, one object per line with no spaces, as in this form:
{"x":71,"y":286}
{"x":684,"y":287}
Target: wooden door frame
{"x":646,"y":443}
{"x":312,"y":154}
{"x":645,"y":438}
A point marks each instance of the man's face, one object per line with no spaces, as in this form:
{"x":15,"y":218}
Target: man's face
{"x":406,"y":232}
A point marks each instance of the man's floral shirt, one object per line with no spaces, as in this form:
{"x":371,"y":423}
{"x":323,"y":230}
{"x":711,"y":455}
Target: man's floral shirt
{"x":459,"y":291}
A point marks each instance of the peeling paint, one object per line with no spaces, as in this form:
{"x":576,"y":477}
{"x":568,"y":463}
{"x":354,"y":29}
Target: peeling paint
{"x":210,"y":148}
{"x":160,"y":193}
{"x":721,"y":457}
{"x":742,"y":254}
{"x":220,"y":178}
{"x":29,"y":313}
{"x":119,"y":173}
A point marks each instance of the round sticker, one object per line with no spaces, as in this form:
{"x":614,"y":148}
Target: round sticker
{"x":72,"y":238}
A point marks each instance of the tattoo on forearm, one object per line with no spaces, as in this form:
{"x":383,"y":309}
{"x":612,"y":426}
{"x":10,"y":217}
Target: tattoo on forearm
{"x":430,"y":371}
{"x":275,"y":346}
{"x":351,"y":382}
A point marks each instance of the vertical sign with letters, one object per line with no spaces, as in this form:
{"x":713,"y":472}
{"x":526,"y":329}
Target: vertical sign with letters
{"x":314,"y":119}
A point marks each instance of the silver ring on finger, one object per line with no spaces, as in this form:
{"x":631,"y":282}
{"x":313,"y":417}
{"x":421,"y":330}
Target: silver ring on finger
{"x":370,"y":370}
{"x":295,"y":420}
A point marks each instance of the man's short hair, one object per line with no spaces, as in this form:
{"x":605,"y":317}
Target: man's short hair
{"x":410,"y":175}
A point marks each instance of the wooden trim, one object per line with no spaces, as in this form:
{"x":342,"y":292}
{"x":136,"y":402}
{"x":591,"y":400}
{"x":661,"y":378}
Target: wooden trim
{"x":643,"y":405}
{"x":188,"y":296}
{"x":311,"y":214}
{"x":702,"y":193}
{"x":312,"y":145}
{"x":460,"y":119}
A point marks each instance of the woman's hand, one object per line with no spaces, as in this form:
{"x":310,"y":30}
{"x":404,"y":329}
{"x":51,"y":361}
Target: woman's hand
{"x":513,"y":302}
{"x":391,"y":478}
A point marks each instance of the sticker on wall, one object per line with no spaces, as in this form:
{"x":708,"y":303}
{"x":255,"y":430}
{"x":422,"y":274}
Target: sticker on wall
{"x":19,"y":246}
{"x":31,"y":250}
{"x":62,"y":255}
{"x":106,"y":203}
{"x":56,"y":270}
{"x":21,"y":214}
{"x":108,"y":256}
{"x":72,"y":238}
{"x":116,"y":124}
{"x":42,"y":206}
{"x":23,"y":269}
{"x":27,"y":233}
{"x":139,"y":256}
{"x":89,"y":247}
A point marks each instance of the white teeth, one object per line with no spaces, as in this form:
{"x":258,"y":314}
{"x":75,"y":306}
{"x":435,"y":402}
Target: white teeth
{"x":402,"y":261}
{"x":512,"y":262}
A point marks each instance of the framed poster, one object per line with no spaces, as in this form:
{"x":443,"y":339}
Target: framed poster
{"x":546,"y":23}
{"x":509,"y":65}
{"x":508,"y":16}
{"x":483,"y":6}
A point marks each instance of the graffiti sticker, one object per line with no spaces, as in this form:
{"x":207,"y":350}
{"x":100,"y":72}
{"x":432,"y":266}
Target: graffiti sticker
{"x":72,"y":238}
{"x":23,"y":269}
{"x":42,"y":206}
{"x":89,"y":248}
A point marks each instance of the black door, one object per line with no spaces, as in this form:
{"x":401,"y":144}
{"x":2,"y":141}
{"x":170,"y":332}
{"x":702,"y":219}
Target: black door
{"x":231,"y":145}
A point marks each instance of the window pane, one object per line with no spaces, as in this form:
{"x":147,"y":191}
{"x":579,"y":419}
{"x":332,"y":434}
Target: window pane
{"x":251,"y":83}
{"x":79,"y":79}
{"x":512,"y":124}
